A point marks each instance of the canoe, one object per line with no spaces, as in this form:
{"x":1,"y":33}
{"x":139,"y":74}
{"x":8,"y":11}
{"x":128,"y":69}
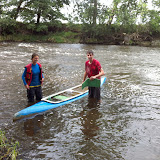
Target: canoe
{"x":55,"y":100}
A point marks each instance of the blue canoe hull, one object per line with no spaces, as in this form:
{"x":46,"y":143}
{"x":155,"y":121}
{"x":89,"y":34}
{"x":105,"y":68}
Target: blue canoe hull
{"x":43,"y":106}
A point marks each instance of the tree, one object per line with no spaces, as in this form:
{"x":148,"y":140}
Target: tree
{"x":95,"y":12}
{"x":154,"y":21}
{"x":156,"y":4}
{"x":35,"y":10}
{"x":143,"y":11}
{"x":126,"y":14}
{"x":44,"y":11}
{"x":113,"y":11}
{"x":155,"y":16}
{"x":87,"y":11}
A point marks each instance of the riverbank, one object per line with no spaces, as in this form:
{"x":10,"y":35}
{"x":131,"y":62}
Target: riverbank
{"x":76,"y":37}
{"x":59,"y":37}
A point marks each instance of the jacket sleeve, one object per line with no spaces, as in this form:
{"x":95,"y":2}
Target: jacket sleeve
{"x":23,"y":76}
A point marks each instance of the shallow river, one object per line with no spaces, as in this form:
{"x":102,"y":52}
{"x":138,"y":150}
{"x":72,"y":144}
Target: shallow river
{"x":125,"y":126}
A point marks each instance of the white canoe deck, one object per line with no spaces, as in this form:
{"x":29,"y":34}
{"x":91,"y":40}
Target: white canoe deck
{"x":66,"y":94}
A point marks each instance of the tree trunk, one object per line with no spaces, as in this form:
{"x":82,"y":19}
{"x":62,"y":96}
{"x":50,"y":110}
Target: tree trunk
{"x":95,"y":13}
{"x":18,"y":9}
{"x":38,"y":17}
{"x":111,"y":18}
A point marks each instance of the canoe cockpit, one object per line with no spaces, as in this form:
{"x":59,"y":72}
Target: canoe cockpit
{"x":66,"y":94}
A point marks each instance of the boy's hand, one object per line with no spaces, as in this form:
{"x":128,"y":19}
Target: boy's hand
{"x":92,"y":78}
{"x":27,"y":86}
{"x":42,"y":81}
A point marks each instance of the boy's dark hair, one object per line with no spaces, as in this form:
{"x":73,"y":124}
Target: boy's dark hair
{"x":90,"y":52}
{"x":34,"y":55}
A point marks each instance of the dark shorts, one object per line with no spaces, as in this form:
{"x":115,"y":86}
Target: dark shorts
{"x":35,"y":91}
{"x":94,"y":92}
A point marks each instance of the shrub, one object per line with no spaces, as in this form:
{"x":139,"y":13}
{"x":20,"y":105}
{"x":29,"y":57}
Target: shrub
{"x":8,"y":150}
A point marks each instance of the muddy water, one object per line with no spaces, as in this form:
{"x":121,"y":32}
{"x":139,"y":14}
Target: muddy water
{"x":126,"y":125}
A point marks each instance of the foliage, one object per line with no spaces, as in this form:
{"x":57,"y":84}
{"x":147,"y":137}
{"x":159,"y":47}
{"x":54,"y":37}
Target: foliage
{"x":8,"y":150}
{"x":154,"y":22}
{"x":91,"y":20}
{"x":33,"y":10}
{"x":58,"y":37}
{"x":74,"y":27}
{"x":7,"y":26}
{"x":156,"y":3}
{"x":87,"y":11}
{"x":37,"y":28}
{"x":127,"y":12}
{"x":143,"y":11}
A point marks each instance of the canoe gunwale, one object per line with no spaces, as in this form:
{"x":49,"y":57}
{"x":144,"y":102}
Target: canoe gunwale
{"x":46,"y":99}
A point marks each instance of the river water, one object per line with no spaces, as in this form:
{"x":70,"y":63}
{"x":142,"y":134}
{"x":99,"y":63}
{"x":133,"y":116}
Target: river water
{"x":125,"y":126}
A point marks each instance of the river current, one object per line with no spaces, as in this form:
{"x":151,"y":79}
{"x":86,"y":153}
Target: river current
{"x":125,"y":126}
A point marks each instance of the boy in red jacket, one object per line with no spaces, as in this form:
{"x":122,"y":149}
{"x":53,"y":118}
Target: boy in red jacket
{"x":93,"y":70}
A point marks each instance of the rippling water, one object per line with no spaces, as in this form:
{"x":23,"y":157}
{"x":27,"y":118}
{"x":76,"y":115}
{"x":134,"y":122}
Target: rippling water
{"x":126,"y":125}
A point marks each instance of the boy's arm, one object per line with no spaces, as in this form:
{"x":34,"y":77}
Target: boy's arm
{"x":42,"y":80}
{"x":23,"y":78}
{"x":101,"y":73}
{"x":85,"y":75}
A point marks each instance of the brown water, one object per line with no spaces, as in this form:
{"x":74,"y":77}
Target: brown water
{"x":126,"y":125}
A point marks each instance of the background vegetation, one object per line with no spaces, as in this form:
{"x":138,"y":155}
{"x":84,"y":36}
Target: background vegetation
{"x":8,"y":149}
{"x":90,"y":21}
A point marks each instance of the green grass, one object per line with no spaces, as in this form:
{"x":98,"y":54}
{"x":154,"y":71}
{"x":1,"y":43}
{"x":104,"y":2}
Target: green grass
{"x":8,"y":150}
{"x":59,"y":37}
{"x":64,"y":37}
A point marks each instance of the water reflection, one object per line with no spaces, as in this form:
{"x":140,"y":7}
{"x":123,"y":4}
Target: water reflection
{"x":32,"y":126}
{"x":89,"y":117}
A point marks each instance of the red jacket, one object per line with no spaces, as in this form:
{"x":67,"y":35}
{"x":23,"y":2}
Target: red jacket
{"x":29,"y":73}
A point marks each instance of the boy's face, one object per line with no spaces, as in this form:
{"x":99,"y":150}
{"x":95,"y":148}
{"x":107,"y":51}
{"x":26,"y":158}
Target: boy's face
{"x":90,"y":56}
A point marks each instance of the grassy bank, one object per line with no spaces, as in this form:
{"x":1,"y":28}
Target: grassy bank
{"x":76,"y":37}
{"x":59,"y":37}
{"x":113,"y":34}
{"x":8,"y":149}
